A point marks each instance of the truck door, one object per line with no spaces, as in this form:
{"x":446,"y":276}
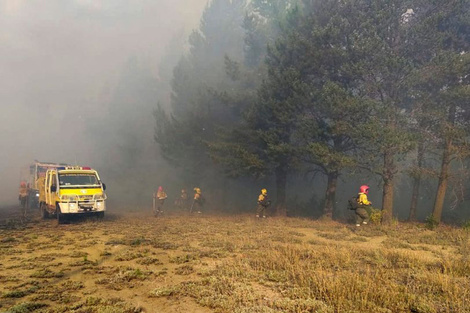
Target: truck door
{"x":54,"y":188}
{"x":47,"y":188}
{"x":50,"y":181}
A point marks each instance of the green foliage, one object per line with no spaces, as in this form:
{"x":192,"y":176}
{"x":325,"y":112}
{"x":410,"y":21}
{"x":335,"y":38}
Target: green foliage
{"x":375,"y":216}
{"x":196,"y":110}
{"x":27,"y":307}
{"x":20,"y":293}
{"x":466,"y":225}
{"x":238,"y":155}
{"x":344,"y":85}
{"x":441,"y":87}
{"x":431,"y":222}
{"x":262,"y":26}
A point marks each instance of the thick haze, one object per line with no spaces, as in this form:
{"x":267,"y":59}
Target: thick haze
{"x":61,"y":65}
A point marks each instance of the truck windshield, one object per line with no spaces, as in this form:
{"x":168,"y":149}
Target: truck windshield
{"x":66,"y":180}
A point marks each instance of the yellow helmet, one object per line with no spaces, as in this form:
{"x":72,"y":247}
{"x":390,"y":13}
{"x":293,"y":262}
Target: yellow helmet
{"x":197,"y":190}
{"x":264,"y":191}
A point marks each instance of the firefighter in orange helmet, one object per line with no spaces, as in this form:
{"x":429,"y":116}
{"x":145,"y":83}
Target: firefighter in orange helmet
{"x":362,"y":216}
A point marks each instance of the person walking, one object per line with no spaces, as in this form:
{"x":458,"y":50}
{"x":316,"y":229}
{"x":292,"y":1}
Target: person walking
{"x":160,"y":200}
{"x":198,"y":201}
{"x":23,"y":195}
{"x":182,"y":201}
{"x":362,"y":214}
{"x":263,"y":203}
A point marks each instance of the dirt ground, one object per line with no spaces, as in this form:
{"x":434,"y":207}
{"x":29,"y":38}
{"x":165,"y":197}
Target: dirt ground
{"x":108,"y":263}
{"x":134,"y":262}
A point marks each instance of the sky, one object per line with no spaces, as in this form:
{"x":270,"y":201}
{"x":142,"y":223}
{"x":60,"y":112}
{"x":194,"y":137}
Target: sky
{"x":61,"y":61}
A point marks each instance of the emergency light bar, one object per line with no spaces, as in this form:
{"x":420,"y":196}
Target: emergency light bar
{"x":73,"y":168}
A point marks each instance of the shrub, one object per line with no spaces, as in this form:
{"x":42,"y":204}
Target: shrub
{"x":375,"y":216}
{"x":431,"y":222}
{"x":466,"y":225}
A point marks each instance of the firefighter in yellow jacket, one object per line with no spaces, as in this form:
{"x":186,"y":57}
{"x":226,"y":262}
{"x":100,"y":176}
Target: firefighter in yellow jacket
{"x":198,"y":201}
{"x":362,"y":215}
{"x":161,"y":196}
{"x":263,"y":203}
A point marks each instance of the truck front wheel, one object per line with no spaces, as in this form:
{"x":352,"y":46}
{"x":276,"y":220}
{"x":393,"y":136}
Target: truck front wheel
{"x":44,"y":212}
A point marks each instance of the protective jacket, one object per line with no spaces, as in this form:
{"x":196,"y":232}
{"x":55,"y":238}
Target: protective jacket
{"x":23,"y":191}
{"x":161,"y":195}
{"x":263,"y":200}
{"x":362,"y":199}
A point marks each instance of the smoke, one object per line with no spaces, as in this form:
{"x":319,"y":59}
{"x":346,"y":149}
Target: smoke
{"x":61,"y":64}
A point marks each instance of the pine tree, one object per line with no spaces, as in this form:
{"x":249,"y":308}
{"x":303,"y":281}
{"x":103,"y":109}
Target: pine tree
{"x":381,"y":41}
{"x":183,"y":133}
{"x":239,"y":149}
{"x":442,"y":84}
{"x":333,"y":110}
{"x":263,"y":23}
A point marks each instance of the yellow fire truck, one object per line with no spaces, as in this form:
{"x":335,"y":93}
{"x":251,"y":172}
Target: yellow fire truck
{"x":71,"y":190}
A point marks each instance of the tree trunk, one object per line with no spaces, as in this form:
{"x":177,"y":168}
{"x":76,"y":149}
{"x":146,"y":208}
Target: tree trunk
{"x":330,"y":195}
{"x":442,"y":185}
{"x":416,"y":182}
{"x":444,"y":175}
{"x":281,"y":183}
{"x":388,"y":176}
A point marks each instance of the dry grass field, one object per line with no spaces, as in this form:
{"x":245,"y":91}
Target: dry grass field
{"x":180,"y":263}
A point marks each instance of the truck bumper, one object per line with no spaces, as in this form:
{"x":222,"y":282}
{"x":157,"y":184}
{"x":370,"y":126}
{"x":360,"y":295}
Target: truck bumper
{"x":82,"y":207}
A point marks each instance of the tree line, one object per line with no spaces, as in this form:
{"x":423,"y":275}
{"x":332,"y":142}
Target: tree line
{"x":331,"y":87}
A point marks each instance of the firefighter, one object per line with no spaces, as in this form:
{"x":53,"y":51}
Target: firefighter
{"x":161,"y":196}
{"x":182,"y":201}
{"x":23,"y":194}
{"x":362,"y":214}
{"x":263,"y":203}
{"x":198,"y":201}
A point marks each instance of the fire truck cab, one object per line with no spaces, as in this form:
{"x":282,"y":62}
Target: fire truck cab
{"x":72,"y":190}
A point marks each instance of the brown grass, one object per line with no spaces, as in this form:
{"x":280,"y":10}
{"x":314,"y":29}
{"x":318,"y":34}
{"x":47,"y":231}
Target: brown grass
{"x":136,"y":263}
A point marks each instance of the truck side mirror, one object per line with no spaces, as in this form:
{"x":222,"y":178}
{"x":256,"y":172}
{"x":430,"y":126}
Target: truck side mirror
{"x":104,"y":186}
{"x":53,"y":188}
